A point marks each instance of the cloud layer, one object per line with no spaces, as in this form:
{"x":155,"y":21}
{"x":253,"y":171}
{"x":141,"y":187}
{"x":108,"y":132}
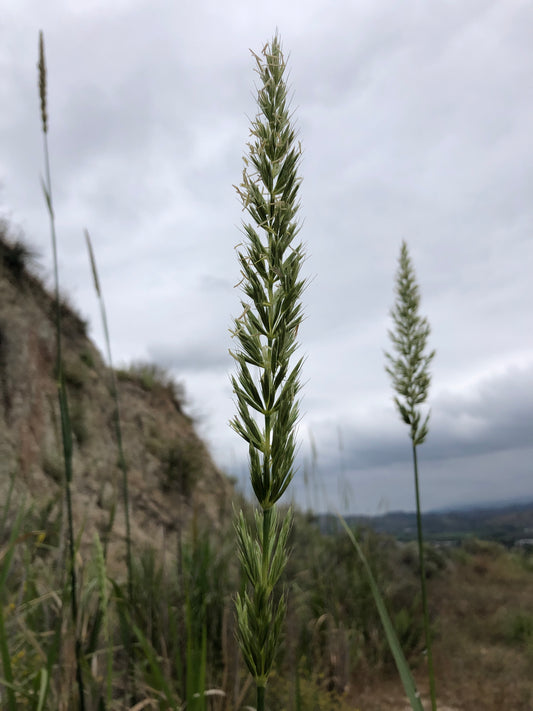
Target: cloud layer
{"x":415,"y":122}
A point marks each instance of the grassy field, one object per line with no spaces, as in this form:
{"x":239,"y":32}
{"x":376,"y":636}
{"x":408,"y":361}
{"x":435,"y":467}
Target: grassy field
{"x":333,"y":655}
{"x":483,"y":625}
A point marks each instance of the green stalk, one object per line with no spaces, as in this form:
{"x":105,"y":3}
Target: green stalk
{"x":266,"y":514}
{"x":66,"y":429}
{"x":266,"y":537}
{"x":260,"y":698}
{"x":422,"y":567}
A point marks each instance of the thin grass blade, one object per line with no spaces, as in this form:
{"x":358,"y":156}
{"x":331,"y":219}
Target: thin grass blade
{"x":157,"y":672}
{"x":394,"y":645}
{"x":43,"y":689}
{"x":6,"y":558}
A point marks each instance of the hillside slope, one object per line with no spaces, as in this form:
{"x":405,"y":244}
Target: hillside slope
{"x":172,"y":476}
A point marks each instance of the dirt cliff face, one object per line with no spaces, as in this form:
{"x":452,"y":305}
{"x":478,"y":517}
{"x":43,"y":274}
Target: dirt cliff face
{"x":171,"y":474}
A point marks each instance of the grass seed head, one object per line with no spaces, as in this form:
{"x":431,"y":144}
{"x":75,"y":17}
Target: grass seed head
{"x":42,"y":82}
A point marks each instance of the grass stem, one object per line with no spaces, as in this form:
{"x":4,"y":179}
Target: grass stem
{"x":116,"y":416}
{"x":423,"y":585}
{"x":66,"y":429}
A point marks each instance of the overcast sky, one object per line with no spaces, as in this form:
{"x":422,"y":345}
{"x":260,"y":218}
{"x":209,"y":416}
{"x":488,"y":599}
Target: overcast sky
{"x":416,"y":123}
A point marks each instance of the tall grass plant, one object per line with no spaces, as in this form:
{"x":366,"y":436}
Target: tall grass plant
{"x":66,"y":427}
{"x":268,"y":380}
{"x":116,"y":418}
{"x":409,"y":372}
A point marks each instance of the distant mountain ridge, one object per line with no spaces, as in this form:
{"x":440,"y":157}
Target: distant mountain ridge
{"x":507,"y":523}
{"x":484,"y":506}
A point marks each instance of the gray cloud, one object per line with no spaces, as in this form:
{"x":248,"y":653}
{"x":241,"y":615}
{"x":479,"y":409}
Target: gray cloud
{"x":456,"y":481}
{"x":191,"y":358}
{"x":415,"y":123}
{"x":492,"y":415}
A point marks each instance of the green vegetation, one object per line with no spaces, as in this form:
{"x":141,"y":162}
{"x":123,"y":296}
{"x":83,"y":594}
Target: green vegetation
{"x":409,"y":371}
{"x":268,"y":382}
{"x":16,"y":257}
{"x":75,"y":635}
{"x":183,"y":463}
{"x":153,"y":378}
{"x":334,"y":655}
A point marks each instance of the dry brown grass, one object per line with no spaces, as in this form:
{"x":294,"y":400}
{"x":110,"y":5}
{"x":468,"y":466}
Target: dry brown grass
{"x":481,"y":660}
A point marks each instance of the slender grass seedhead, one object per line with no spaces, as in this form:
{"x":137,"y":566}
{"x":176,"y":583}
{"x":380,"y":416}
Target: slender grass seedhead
{"x":93,"y":264}
{"x":267,"y":381}
{"x":121,"y":456}
{"x":266,"y":384}
{"x":409,"y":372}
{"x":42,"y":83}
{"x":409,"y":369}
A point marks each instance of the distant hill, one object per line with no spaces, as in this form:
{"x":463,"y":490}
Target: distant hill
{"x":172,"y":477}
{"x":506,"y":524}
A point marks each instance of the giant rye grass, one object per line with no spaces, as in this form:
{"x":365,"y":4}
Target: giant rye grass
{"x":409,"y":372}
{"x":267,"y":380}
{"x":66,"y":427}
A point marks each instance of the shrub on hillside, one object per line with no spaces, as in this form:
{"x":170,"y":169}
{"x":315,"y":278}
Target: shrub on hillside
{"x":152,"y":377}
{"x":16,"y":257}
